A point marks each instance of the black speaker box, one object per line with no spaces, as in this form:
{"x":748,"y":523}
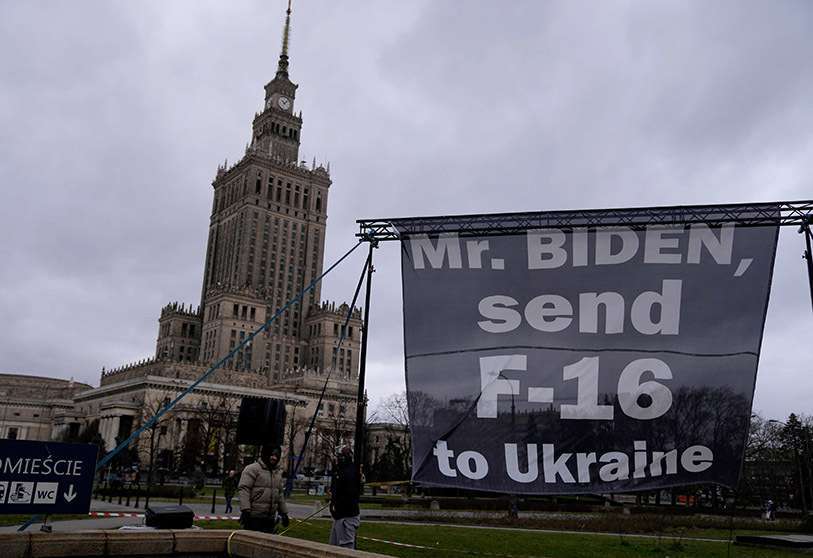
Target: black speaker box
{"x":169,"y":517}
{"x":262,"y":421}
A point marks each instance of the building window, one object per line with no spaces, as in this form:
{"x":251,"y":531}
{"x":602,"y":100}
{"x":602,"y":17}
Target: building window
{"x":12,"y":433}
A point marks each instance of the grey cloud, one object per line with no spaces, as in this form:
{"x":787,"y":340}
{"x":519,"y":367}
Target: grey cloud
{"x":113,"y":118}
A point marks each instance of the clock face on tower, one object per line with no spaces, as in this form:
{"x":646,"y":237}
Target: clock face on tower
{"x":284,"y":103}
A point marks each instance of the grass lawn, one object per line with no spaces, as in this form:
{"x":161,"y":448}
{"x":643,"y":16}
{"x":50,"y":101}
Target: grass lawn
{"x":462,"y":541}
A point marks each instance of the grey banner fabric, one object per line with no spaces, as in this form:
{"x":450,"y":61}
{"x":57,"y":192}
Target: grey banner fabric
{"x":578,"y":361}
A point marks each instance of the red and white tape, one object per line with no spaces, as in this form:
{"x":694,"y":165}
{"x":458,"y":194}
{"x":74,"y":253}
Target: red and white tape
{"x":205,"y":517}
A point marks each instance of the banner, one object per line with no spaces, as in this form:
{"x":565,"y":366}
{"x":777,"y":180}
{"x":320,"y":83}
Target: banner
{"x":584,"y":360}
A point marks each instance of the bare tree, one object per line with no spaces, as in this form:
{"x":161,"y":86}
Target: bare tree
{"x":394,"y":410}
{"x":217,"y":415}
{"x":295,"y":425}
{"x":151,"y":407}
{"x":333,"y":432}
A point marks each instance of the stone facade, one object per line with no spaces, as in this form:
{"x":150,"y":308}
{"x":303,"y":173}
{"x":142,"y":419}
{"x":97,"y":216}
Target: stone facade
{"x":167,"y":543}
{"x":265,"y":245}
{"x":37,"y":408}
{"x":199,"y":432}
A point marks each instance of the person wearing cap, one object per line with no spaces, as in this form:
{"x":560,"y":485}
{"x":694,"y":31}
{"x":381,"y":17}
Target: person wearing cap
{"x":344,"y":500}
{"x":261,"y":494}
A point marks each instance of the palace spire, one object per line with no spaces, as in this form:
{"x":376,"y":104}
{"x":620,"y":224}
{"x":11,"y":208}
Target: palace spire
{"x":282,"y":65}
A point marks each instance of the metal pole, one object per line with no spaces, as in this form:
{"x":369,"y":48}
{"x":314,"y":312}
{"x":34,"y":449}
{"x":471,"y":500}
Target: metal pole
{"x":808,"y":255}
{"x":358,"y":449}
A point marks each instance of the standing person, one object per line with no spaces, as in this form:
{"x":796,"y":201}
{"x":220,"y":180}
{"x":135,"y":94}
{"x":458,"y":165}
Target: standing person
{"x":229,"y":488}
{"x":261,"y":493}
{"x":344,"y":500}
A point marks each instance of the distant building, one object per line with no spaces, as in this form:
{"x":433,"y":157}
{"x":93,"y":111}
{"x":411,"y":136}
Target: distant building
{"x":37,"y":408}
{"x":265,"y":244}
{"x":382,"y":434}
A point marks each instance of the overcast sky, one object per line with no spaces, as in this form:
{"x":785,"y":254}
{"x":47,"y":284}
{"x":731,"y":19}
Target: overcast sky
{"x":115,"y":115}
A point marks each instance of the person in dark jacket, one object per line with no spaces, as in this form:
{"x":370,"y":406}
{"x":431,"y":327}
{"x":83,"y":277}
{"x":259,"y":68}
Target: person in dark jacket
{"x":344,"y":500}
{"x":229,"y":488}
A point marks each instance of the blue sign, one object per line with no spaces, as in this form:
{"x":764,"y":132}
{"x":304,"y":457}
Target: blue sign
{"x":46,"y":477}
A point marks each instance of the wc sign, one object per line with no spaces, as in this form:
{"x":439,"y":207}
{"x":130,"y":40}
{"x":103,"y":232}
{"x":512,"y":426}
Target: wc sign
{"x":46,"y":477}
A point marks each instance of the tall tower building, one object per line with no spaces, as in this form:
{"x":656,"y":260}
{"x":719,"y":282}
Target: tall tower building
{"x":266,"y":243}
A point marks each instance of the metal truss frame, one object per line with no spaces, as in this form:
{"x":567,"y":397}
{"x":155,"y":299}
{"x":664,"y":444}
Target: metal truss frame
{"x":783,"y":213}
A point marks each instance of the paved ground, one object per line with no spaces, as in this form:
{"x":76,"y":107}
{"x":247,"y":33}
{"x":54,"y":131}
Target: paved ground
{"x":295,"y":510}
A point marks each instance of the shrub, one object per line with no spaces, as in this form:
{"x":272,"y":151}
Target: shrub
{"x":806,"y":526}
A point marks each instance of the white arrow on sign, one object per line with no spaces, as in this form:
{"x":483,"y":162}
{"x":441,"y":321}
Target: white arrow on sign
{"x":70,"y":494}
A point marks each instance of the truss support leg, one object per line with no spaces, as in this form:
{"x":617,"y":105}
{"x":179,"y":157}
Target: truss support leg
{"x":808,"y":255}
{"x":361,"y":401}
